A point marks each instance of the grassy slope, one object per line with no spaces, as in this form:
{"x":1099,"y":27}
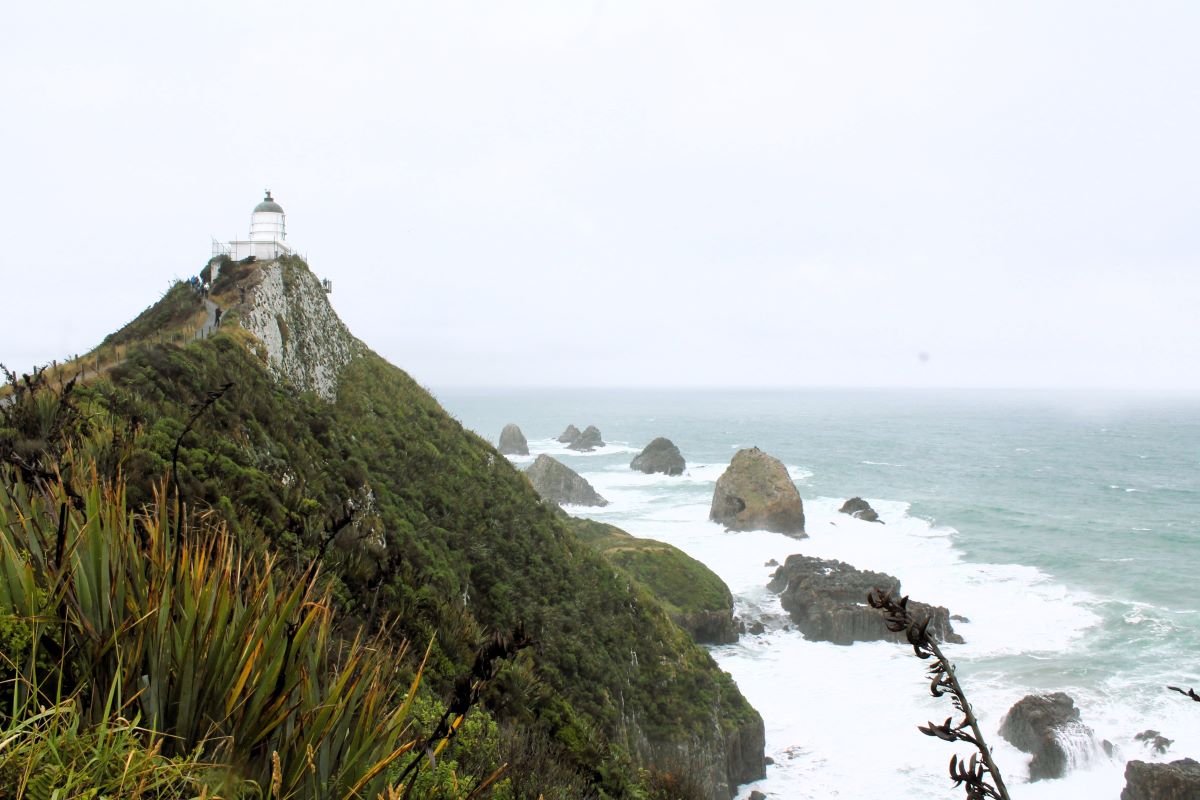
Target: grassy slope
{"x":683,"y":584}
{"x":448,"y":539}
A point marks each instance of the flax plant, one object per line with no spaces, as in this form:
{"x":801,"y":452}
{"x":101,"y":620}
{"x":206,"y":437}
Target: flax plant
{"x":213,"y":651}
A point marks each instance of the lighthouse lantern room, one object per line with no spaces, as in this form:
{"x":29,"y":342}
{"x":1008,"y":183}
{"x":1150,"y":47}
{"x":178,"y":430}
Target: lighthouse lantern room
{"x":268,"y":234}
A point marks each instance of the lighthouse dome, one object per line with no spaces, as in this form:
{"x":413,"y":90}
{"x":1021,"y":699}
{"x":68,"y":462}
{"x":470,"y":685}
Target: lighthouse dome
{"x":268,"y":204}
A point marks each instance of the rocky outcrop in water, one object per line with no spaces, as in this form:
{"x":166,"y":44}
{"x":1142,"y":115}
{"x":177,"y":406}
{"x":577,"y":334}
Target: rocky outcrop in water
{"x":827,"y":601}
{"x":512,"y":441}
{"x":558,"y":483}
{"x":1155,"y":741}
{"x":860,"y":509}
{"x":1042,"y":724}
{"x":587,"y":441}
{"x":1179,"y":780}
{"x":756,"y":493}
{"x":661,"y":455}
{"x":569,"y":435}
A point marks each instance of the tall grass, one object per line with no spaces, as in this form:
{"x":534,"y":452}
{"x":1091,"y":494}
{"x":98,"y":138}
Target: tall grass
{"x":210,"y":652}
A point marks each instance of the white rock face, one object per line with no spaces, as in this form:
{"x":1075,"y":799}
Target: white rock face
{"x":307,"y":345}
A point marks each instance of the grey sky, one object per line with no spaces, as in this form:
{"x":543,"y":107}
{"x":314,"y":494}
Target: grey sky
{"x":630,"y":193}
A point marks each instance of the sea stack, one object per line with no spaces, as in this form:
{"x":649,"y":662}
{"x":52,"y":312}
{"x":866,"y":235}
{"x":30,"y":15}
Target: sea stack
{"x":569,"y":435}
{"x":1038,"y":724}
{"x":756,"y":493}
{"x":661,"y":455}
{"x":512,"y":441}
{"x":558,"y":483}
{"x":587,"y":441}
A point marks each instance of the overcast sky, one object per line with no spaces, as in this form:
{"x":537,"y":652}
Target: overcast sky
{"x":620,"y":194}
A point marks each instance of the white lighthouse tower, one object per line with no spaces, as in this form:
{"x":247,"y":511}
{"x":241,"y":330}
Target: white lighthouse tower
{"x":268,"y":235}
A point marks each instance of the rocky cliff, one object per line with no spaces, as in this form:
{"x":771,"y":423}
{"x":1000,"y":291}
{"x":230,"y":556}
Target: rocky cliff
{"x":305,"y":342}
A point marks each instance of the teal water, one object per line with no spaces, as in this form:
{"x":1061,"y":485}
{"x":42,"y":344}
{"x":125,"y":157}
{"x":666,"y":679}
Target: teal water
{"x":1091,"y":503}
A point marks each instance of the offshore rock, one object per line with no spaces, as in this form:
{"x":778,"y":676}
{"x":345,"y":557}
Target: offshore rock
{"x":1039,"y":724}
{"x":828,"y":602}
{"x":558,"y":483}
{"x":1155,"y":741}
{"x":569,"y":435}
{"x":587,"y":441}
{"x":1179,"y":780}
{"x":512,"y":441}
{"x":860,"y":509}
{"x":756,"y":493}
{"x":661,"y":455}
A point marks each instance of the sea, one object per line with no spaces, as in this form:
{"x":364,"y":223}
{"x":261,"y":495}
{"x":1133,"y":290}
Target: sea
{"x":1064,"y":526}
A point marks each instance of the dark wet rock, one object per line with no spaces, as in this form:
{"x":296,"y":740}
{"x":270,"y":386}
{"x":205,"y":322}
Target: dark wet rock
{"x":1039,"y":724}
{"x":587,"y":441}
{"x":512,"y":441}
{"x":558,"y":483}
{"x":958,"y":618}
{"x":709,"y":627}
{"x":860,"y":509}
{"x":756,"y":493}
{"x":757,"y":795}
{"x":1179,"y":780}
{"x":757,"y":627}
{"x":661,"y":455}
{"x":828,"y":602}
{"x":1154,"y":740}
{"x":569,"y":435}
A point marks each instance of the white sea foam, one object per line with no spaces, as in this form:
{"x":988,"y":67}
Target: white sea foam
{"x":825,"y":706}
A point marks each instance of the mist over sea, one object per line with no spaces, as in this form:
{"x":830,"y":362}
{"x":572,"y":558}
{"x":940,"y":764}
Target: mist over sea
{"x":1066,"y":528}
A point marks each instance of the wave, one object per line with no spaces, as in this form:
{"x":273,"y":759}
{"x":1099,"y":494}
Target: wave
{"x":1024,"y":625}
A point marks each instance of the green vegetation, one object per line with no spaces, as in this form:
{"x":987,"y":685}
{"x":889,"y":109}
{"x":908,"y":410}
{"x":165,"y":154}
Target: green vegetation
{"x":179,"y":309}
{"x":683,"y":585}
{"x":392,"y":519}
{"x":56,"y":752}
{"x":214,"y":653}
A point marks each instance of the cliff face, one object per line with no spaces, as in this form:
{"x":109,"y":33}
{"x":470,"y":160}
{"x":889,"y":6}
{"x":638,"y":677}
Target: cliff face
{"x":306,"y":343}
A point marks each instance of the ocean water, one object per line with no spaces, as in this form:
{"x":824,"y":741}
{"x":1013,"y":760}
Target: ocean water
{"x":1066,"y":528}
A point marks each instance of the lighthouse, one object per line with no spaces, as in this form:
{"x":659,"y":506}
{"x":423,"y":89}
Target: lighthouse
{"x":268,"y":228}
{"x":268,"y":234}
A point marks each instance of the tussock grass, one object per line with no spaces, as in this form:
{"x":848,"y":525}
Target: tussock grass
{"x":168,"y":646}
